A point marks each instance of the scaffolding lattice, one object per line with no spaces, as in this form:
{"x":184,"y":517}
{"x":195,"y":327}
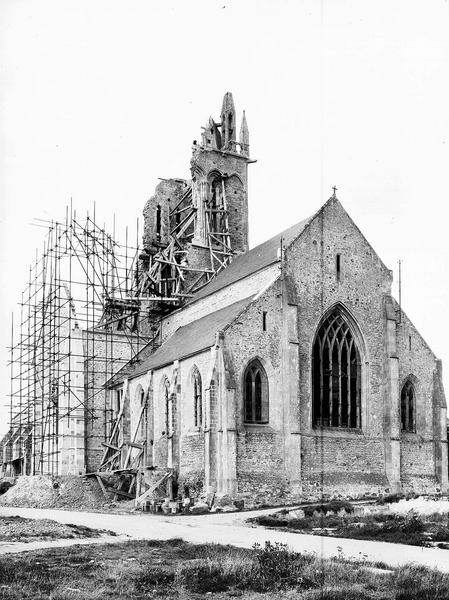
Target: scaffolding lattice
{"x":65,"y":344}
{"x":90,"y":306}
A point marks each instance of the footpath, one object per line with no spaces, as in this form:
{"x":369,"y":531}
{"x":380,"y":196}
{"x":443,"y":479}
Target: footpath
{"x":222,"y":528}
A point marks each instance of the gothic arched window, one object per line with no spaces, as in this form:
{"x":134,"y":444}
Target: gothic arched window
{"x":336,"y":375}
{"x":408,"y":407}
{"x":197,"y":398}
{"x":215,"y":205}
{"x":256,"y":393}
{"x":142,"y":412}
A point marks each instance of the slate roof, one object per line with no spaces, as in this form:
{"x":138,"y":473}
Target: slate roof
{"x":185,"y":341}
{"x":254,"y":260}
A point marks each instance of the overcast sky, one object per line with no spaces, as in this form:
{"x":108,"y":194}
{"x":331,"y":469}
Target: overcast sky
{"x":99,"y":98}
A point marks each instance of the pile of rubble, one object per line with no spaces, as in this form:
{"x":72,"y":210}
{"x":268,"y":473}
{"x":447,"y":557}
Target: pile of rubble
{"x":42,"y":491}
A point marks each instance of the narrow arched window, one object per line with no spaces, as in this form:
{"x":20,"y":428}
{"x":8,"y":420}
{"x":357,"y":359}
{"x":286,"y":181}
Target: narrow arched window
{"x":336,"y":375}
{"x":167,"y":406}
{"x":256,"y":393}
{"x":215,"y":206}
{"x":142,"y":414}
{"x":197,"y":399}
{"x":158,"y":223}
{"x":408,"y":407}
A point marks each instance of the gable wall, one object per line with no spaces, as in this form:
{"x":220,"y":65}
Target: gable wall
{"x":341,"y":461}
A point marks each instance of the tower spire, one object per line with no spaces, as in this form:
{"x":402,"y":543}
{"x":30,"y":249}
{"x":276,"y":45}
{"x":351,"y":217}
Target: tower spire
{"x":228,"y":122}
{"x":244,"y":137}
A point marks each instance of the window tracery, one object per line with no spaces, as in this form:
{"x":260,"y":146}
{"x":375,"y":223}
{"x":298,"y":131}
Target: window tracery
{"x":336,"y":375}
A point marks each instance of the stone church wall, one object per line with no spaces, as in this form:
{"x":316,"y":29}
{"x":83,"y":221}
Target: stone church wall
{"x":191,"y":457}
{"x":417,"y":361}
{"x":340,"y":463}
{"x":352,"y":461}
{"x":105,"y":353}
{"x":261,"y":472}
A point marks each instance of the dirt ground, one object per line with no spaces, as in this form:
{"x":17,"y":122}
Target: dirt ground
{"x":227,"y":528}
{"x":20,"y":529}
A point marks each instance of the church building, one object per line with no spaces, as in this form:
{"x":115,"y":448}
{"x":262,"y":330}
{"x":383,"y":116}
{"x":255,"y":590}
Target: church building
{"x":288,"y":370}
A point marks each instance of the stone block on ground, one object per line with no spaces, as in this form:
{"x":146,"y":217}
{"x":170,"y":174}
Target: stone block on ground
{"x":200,"y":508}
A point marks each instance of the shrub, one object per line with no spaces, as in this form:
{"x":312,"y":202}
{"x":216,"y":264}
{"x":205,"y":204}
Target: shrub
{"x":279,"y":568}
{"x":4,"y":486}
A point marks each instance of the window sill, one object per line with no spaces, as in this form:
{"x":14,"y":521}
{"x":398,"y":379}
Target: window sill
{"x":194,"y":430}
{"x":410,"y":435}
{"x":265,"y":427}
{"x":336,"y":431}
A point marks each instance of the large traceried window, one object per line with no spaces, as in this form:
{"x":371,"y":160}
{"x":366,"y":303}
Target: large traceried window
{"x":336,"y":375}
{"x":408,"y":407}
{"x":256,"y":393}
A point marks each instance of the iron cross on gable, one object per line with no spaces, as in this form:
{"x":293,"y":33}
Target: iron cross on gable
{"x":335,"y":190}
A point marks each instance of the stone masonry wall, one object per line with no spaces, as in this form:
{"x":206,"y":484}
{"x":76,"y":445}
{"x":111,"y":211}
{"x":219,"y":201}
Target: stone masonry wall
{"x":261,"y":473}
{"x":417,"y":361}
{"x":105,"y":353}
{"x":348,"y":459}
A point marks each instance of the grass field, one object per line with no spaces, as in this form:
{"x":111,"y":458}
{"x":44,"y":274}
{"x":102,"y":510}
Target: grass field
{"x":177,"y":570}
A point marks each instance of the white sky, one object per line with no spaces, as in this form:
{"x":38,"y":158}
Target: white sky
{"x":99,"y":98}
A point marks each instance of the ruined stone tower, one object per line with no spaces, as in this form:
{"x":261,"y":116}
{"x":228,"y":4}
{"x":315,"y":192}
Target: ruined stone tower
{"x":220,"y":177}
{"x":193,"y":229}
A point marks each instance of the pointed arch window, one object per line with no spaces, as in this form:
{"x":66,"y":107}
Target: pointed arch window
{"x":256,"y":393}
{"x":408,"y":407}
{"x":142,"y":413}
{"x":336,"y":375}
{"x":215,"y":205}
{"x":197,"y":398}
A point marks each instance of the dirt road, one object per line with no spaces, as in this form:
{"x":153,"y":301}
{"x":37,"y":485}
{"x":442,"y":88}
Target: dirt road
{"x":226,"y":528}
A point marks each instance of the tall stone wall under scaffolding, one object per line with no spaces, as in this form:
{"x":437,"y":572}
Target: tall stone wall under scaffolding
{"x":57,"y":370}
{"x":105,"y":353}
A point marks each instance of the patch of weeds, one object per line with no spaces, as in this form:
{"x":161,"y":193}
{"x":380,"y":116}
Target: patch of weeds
{"x":279,"y":568}
{"x":355,"y":593}
{"x":419,"y":583}
{"x":411,"y":529}
{"x":153,"y":577}
{"x":209,"y":576}
{"x":331,"y":506}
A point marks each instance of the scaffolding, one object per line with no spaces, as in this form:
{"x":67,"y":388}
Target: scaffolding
{"x":90,"y":305}
{"x":66,"y":344}
{"x":164,"y":274}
